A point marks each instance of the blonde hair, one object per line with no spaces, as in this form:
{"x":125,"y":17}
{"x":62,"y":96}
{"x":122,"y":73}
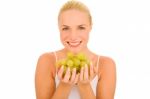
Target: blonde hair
{"x":74,"y":4}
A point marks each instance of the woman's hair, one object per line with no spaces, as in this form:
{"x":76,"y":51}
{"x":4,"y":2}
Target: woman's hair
{"x":74,"y":4}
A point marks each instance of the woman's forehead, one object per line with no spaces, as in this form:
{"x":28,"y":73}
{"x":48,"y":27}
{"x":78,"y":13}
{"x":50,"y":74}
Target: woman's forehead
{"x":73,"y":17}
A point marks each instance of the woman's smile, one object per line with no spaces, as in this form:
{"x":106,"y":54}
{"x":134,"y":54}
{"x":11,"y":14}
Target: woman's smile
{"x":74,"y":43}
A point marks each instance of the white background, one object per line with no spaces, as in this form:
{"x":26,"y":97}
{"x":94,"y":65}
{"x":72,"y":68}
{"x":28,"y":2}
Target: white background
{"x":121,"y":30}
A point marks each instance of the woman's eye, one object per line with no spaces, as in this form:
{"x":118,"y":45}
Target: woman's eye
{"x":65,"y":28}
{"x":81,"y":28}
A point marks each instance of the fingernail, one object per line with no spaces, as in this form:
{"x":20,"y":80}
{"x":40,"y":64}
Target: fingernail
{"x":91,"y":63}
{"x":86,"y":66}
{"x":82,"y":68}
{"x":68,"y":68}
{"x":62,"y":67}
{"x":74,"y":69}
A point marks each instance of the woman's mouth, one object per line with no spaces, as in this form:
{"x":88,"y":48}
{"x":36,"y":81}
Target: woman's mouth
{"x":74,"y":44}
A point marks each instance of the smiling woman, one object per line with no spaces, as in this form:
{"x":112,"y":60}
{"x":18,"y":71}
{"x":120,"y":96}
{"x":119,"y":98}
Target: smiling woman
{"x":98,"y":79}
{"x":74,"y":27}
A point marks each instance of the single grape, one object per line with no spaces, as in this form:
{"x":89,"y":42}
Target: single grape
{"x":69,"y":63}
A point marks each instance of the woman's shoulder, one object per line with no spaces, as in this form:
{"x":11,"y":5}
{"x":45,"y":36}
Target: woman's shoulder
{"x":107,"y":60}
{"x":106,"y":63}
{"x":47,"y":56}
{"x":46,"y":62}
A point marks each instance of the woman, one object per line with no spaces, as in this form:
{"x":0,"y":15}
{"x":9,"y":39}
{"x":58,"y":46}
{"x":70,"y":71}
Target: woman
{"x":96,"y":82}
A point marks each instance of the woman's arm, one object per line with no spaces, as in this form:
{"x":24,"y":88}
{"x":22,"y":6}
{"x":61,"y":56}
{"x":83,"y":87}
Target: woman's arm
{"x":44,"y":77}
{"x":107,"y":82}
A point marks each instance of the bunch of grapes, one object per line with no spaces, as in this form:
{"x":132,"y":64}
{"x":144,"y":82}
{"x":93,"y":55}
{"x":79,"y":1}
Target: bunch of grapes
{"x":74,"y":61}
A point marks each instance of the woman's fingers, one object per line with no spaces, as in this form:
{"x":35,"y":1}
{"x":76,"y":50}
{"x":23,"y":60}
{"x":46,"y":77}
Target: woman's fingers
{"x":70,"y":77}
{"x":73,"y":75}
{"x":67,"y":75}
{"x":81,"y":73}
{"x":76,"y":79}
{"x":86,"y":74}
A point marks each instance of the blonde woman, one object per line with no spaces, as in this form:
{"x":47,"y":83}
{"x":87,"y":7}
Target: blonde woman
{"x":96,"y":82}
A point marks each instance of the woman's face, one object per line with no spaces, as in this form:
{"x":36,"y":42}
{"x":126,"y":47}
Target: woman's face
{"x":74,"y":26}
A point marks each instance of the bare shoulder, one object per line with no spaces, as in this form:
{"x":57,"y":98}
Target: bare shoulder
{"x":107,"y":63}
{"x":48,"y":57}
{"x":46,"y":63}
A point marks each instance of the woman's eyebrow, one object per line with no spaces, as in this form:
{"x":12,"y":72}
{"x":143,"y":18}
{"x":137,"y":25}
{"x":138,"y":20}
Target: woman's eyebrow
{"x":77,"y":25}
{"x":64,"y":26}
{"x":82,"y":25}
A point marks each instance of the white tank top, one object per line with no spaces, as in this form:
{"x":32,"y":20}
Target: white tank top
{"x":74,"y":94}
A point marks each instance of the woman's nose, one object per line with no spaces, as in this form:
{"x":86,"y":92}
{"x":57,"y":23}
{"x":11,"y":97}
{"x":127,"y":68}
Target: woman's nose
{"x":73,"y":34}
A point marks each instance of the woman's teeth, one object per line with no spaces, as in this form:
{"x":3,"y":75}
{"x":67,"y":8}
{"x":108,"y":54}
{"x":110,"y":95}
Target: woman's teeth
{"x":74,"y":44}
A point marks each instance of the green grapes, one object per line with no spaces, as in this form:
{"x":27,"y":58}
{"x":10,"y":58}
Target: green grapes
{"x":74,"y":61}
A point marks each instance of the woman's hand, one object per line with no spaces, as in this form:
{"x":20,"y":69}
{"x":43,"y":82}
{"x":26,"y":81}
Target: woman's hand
{"x":87,"y":74}
{"x":69,"y":77}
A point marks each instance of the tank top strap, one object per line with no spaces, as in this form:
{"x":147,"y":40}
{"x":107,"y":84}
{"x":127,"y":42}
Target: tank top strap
{"x":56,"y":58}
